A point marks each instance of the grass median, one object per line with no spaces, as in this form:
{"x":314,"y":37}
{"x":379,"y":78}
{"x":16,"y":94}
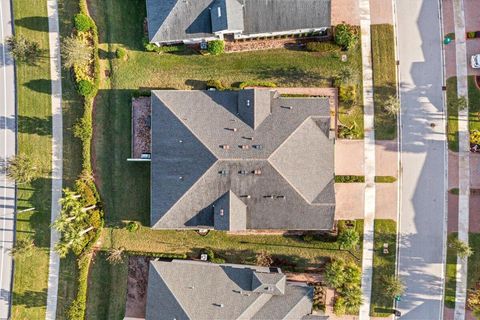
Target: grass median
{"x":384,"y":79}
{"x":385,"y":231}
{"x":34,"y":140}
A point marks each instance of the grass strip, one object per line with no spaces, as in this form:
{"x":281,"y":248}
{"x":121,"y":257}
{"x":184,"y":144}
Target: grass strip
{"x":385,"y":231}
{"x":34,"y":140}
{"x":384,"y":79}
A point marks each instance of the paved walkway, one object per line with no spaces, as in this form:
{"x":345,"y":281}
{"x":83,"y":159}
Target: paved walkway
{"x":369,"y":159}
{"x":422,"y":225}
{"x":7,"y":150}
{"x":57,"y":152}
{"x":464,"y":154}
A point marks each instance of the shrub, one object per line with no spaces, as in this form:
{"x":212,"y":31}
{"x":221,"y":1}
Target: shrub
{"x":87,"y":194}
{"x":216,"y":47}
{"x":83,"y":22}
{"x":318,"y":297}
{"x":349,"y":179}
{"x":385,"y":179}
{"x":132,"y":226}
{"x":86,"y":88}
{"x":324,"y":46}
{"x":254,"y":83}
{"x":346,"y":36}
{"x":217,"y":84}
{"x":348,"y":239}
{"x":471,"y":34}
{"x":335,"y":274}
{"x":475,"y":137}
{"x":120,"y":53}
{"x":158,"y":254}
{"x":392,"y":286}
{"x":347,"y":93}
{"x":349,"y":132}
{"x":83,"y":129}
{"x":76,"y":310}
{"x":462,"y":248}
{"x":264,"y":259}
{"x":308,"y":237}
{"x":339,"y":306}
{"x":473,"y":299}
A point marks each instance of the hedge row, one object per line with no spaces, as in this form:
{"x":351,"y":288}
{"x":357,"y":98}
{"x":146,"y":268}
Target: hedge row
{"x":254,"y":83}
{"x":85,"y":185}
{"x":349,"y":179}
{"x":158,"y":254}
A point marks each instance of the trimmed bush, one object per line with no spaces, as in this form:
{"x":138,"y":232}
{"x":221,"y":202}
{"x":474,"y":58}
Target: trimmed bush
{"x":385,"y":179}
{"x":471,"y":34}
{"x":217,"y":84}
{"x":346,"y":36}
{"x":132,"y":226}
{"x":161,"y":255}
{"x":86,"y":88}
{"x":322,"y":47}
{"x":83,"y":129}
{"x":347,"y":93}
{"x":349,"y":179}
{"x":83,"y":22}
{"x":216,"y":47}
{"x":254,"y":83}
{"x":120,"y":53}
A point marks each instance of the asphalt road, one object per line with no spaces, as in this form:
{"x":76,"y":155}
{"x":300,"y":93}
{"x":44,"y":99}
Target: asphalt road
{"x":423,"y":159}
{"x":7,"y":149}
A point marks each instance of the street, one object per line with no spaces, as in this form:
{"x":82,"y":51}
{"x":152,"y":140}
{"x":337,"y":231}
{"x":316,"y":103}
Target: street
{"x":423,"y":159}
{"x":7,"y":149}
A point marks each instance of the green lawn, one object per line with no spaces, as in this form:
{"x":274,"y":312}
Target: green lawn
{"x":383,"y":265}
{"x":450,"y":274}
{"x":72,"y":109}
{"x":384,"y":79}
{"x":474,"y":261}
{"x":473,"y":110}
{"x":452,"y":114}
{"x":34,"y":139}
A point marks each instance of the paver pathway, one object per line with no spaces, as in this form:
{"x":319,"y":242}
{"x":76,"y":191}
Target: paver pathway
{"x":57,"y":152}
{"x":369,"y":159}
{"x":463,"y":156}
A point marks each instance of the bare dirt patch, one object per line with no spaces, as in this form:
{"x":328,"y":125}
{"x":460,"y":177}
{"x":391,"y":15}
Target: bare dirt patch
{"x":141,"y":126}
{"x":137,"y":282}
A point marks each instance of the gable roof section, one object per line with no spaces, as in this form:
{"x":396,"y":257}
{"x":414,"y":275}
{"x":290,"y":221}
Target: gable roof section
{"x":265,"y":178}
{"x":178,"y":20}
{"x":199,"y":290}
{"x":263,"y":16}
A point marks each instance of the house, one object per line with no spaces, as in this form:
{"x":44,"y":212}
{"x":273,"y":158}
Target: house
{"x":190,"y":21}
{"x":199,"y":290}
{"x":241,"y":160}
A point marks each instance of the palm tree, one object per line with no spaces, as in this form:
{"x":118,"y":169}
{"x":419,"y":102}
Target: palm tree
{"x":116,"y":255}
{"x":462,"y":248}
{"x":22,"y":169}
{"x":348,"y":239}
{"x":392,"y":105}
{"x":392,"y":286}
{"x":75,"y":51}
{"x":353,"y":298}
{"x":335,"y":273}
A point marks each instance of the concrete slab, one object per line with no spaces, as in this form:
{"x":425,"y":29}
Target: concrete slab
{"x":350,"y":201}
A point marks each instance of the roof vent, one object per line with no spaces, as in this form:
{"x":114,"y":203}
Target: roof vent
{"x":257,"y":172}
{"x":248,"y":138}
{"x":221,"y":212}
{"x":225,"y":146}
{"x":180,"y":178}
{"x":269,"y":197}
{"x":244,"y":146}
{"x":258,"y":146}
{"x":281,"y":197}
{"x":247,"y":196}
{"x":284,"y":107}
{"x":181,"y":141}
{"x":248,"y":102}
{"x":223,"y":172}
{"x":242,"y":172}
{"x":219,"y":12}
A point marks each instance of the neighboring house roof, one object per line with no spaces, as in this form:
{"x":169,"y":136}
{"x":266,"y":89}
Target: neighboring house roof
{"x":200,"y":290}
{"x":236,"y":160}
{"x":180,"y":20}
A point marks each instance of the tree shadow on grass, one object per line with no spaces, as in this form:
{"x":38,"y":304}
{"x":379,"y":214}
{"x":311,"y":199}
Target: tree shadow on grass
{"x":35,"y":125}
{"x":39,"y":23}
{"x":40,"y":85}
{"x":30,"y":299}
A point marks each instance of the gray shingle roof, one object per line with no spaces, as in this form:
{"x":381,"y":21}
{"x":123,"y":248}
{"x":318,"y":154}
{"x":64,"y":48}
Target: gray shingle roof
{"x":198,"y":290}
{"x":283,"y":177}
{"x":226,"y":15}
{"x":180,"y":20}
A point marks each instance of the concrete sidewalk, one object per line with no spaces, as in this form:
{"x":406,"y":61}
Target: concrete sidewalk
{"x":57,"y":153}
{"x":464,"y":154}
{"x":369,"y":159}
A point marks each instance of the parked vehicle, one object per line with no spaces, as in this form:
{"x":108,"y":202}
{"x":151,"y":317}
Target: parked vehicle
{"x":476,"y":61}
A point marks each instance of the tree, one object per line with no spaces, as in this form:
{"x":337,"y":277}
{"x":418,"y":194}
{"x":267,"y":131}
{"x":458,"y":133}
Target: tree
{"x":75,"y":52}
{"x":392,"y":105}
{"x":22,"y":49}
{"x":346,"y":36}
{"x":347,"y":75}
{"x":463,"y":249}
{"x":22,"y":169}
{"x":335,"y":274}
{"x":264,"y":259}
{"x":392,"y":286}
{"x":115,"y":255}
{"x":73,"y":224}
{"x":348,"y":239}
{"x":23,"y":248}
